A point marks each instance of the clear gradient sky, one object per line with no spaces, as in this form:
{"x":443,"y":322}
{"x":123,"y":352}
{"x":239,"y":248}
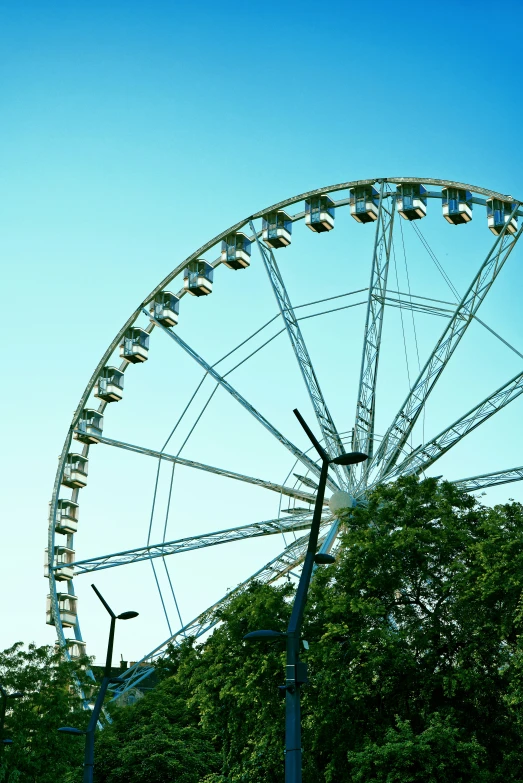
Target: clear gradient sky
{"x":132,"y":132}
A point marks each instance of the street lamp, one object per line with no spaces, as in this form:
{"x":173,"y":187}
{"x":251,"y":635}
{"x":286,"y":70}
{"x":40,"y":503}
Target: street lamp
{"x":4,"y":696}
{"x":95,"y":714}
{"x":296,"y":670}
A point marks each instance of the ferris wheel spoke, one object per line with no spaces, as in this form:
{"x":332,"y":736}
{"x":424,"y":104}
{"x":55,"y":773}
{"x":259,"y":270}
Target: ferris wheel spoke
{"x":404,"y":421}
{"x":485,"y":480}
{"x":282,"y":564}
{"x":291,"y":492}
{"x":247,"y":405}
{"x":366,"y":402}
{"x":254,"y":530}
{"x":424,"y":456}
{"x":333,"y":443}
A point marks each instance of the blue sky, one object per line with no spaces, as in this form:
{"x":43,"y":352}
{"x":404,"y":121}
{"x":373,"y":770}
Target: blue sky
{"x":133,"y":132}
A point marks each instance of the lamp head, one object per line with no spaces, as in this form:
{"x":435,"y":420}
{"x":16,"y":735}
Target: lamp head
{"x":7,"y":741}
{"x":70,"y":730}
{"x":352,"y":458}
{"x":127,"y":615}
{"x":264,"y":635}
{"x":16,"y":695}
{"x":324,"y":559}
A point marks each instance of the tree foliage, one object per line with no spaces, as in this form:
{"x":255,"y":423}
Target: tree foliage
{"x":39,"y":754}
{"x":415,"y":655}
{"x":415,"y":665}
{"x":419,"y":628}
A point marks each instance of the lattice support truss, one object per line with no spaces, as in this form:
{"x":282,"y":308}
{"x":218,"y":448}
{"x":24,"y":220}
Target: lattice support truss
{"x":401,"y":427}
{"x":292,"y":492}
{"x":485,"y":480}
{"x":332,"y":440}
{"x":255,"y":530}
{"x":424,"y":456}
{"x":285,"y":562}
{"x":363,"y":439}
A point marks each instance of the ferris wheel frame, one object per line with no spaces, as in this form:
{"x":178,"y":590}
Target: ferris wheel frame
{"x":387,"y":457}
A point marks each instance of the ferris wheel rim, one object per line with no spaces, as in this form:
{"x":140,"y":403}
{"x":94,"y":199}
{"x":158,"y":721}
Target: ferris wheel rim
{"x":175,"y":273}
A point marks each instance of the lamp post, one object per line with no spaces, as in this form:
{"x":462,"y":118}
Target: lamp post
{"x":296,"y":670}
{"x":4,"y":696}
{"x":107,"y":679}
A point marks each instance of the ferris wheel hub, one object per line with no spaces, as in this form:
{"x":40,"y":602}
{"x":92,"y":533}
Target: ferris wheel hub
{"x":340,"y":502}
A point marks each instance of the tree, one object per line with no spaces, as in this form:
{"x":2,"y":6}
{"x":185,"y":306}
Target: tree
{"x":415,"y":661}
{"x":417,"y":641}
{"x":50,"y":700}
{"x":215,"y":716}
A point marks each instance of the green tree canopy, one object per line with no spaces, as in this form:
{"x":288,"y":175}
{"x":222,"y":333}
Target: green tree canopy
{"x":415,"y":656}
{"x":39,"y":754}
{"x":415,"y":666}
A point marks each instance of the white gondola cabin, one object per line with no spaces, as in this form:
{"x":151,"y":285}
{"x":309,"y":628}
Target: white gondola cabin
{"x":76,"y":649}
{"x":276,"y":229}
{"x":411,"y":201}
{"x":63,"y":559}
{"x":68,"y":608}
{"x":319,"y":213}
{"x":456,"y":205}
{"x":165,"y":308}
{"x":75,"y":471}
{"x":66,"y":516}
{"x":498,"y":215}
{"x":198,"y":277}
{"x":89,"y":427}
{"x":135,"y":345}
{"x":364,"y":203}
{"x":109,"y":386}
{"x":236,"y":251}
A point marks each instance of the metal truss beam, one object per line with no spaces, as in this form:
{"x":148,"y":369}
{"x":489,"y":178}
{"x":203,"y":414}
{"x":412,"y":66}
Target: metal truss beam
{"x":291,"y":492}
{"x":401,"y":427}
{"x":418,"y":307}
{"x":255,"y":530}
{"x":281,"y":565}
{"x":366,"y":403}
{"x":332,"y":440}
{"x":248,"y":407}
{"x":486,"y":480}
{"x":424,"y":456}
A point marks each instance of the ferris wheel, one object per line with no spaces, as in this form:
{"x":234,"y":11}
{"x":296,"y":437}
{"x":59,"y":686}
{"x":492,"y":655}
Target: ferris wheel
{"x":213,"y":379}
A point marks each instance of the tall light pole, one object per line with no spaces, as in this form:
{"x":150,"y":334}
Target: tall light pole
{"x":107,"y":679}
{"x":296,"y":670}
{"x":4,"y":696}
